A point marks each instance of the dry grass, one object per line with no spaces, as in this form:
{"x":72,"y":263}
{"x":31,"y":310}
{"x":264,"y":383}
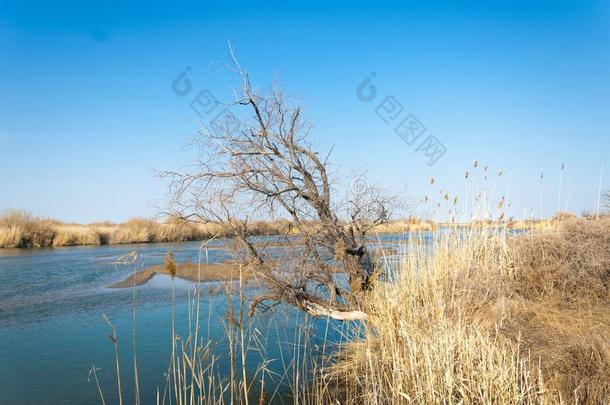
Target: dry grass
{"x":71,"y":235}
{"x":22,"y":230}
{"x":561,"y":306}
{"x":408,"y":225}
{"x":488,"y":318}
{"x":570,"y":264}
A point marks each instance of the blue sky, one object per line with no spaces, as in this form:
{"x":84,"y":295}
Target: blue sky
{"x":87,"y":112}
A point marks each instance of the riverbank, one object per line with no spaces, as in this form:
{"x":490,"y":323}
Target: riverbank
{"x":22,"y":230}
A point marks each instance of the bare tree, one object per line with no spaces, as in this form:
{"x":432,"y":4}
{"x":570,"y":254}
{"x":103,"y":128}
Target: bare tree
{"x":266,"y":167}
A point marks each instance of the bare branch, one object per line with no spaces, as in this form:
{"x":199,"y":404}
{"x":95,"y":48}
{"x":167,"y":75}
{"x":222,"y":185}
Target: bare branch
{"x":267,"y":168}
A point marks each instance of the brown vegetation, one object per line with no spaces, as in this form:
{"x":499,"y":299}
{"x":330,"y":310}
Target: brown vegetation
{"x":20,"y":229}
{"x":489,"y":319}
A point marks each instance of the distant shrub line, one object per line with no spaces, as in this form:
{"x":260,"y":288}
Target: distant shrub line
{"x":20,"y":229}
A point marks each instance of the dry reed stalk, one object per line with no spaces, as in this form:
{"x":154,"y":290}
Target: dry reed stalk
{"x":114,"y":340}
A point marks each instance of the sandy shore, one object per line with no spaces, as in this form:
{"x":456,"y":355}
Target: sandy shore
{"x":188,"y":271}
{"x":221,"y":271}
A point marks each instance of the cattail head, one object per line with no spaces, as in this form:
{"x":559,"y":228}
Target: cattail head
{"x":466,"y":175}
{"x":476,"y":163}
{"x":170,"y":264}
{"x":431,"y":180}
